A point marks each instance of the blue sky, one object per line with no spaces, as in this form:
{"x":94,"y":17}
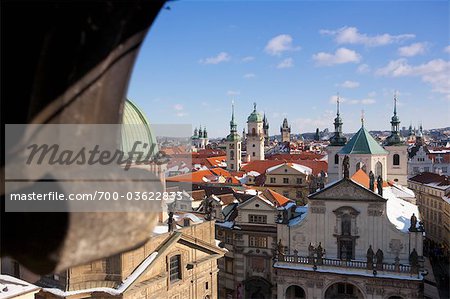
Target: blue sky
{"x":292,"y":58}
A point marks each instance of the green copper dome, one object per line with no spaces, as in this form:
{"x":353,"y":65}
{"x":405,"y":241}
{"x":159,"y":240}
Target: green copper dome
{"x":363,"y":143}
{"x":255,"y":117}
{"x":136,"y":128}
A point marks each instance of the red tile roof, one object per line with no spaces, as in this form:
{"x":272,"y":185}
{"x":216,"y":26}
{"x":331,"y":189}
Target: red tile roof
{"x":276,"y":197}
{"x":300,"y":156}
{"x":429,"y":177}
{"x":362,"y":178}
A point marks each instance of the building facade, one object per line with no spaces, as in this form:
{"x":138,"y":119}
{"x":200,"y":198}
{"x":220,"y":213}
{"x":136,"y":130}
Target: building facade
{"x":348,"y":243}
{"x":176,"y":264}
{"x":432,"y":196}
{"x":255,"y":136}
{"x":285,"y":131}
{"x":233,"y":146}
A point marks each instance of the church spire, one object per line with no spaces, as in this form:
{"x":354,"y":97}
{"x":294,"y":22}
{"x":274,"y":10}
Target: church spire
{"x":338,"y":138}
{"x":394,"y":138}
{"x":233,"y":124}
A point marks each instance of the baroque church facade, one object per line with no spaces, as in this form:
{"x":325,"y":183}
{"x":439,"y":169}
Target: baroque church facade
{"x":364,"y":152}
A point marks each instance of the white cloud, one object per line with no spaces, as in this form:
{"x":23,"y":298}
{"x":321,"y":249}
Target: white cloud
{"x":309,"y":124}
{"x":350,"y":35}
{"x":233,"y":92}
{"x":349,"y":84}
{"x":286,"y":63}
{"x":447,"y":49}
{"x":249,"y":76}
{"x":221,"y":57}
{"x":179,"y":110}
{"x":363,"y":68}
{"x":279,"y":44}
{"x":342,"y":55}
{"x":365,"y":101}
{"x":413,"y":49}
{"x":248,"y":59}
{"x":434,"y":72}
{"x":371,"y":94}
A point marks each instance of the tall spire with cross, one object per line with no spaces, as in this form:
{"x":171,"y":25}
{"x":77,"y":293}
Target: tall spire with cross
{"x":362,"y":118}
{"x":338,"y":138}
{"x":395,"y":137}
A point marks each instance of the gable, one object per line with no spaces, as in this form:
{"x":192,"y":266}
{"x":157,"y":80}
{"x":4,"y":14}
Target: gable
{"x":348,"y":190}
{"x":257,"y":203}
{"x":284,"y":170}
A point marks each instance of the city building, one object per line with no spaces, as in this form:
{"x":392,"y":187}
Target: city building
{"x":199,"y":139}
{"x":233,"y":146}
{"x":285,"y":131}
{"x":12,"y":287}
{"x":255,"y":136}
{"x":337,"y":142}
{"x":424,"y":158}
{"x":180,"y":261}
{"x":364,"y":152}
{"x":249,"y":234}
{"x":266,"y":131}
{"x":432,"y":193}
{"x":351,"y":242}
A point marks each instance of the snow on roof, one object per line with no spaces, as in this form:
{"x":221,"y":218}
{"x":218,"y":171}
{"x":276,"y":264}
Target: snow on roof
{"x":253,"y":173}
{"x":446,"y":199}
{"x":298,"y":167}
{"x":266,"y":201}
{"x":348,"y":271}
{"x":160,"y":229}
{"x":112,"y":291}
{"x":11,"y":287}
{"x":399,"y":211}
{"x":192,"y":217}
{"x":226,"y":224}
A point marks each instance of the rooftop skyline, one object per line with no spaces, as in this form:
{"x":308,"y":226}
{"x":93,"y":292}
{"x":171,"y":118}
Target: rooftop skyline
{"x":292,"y":58}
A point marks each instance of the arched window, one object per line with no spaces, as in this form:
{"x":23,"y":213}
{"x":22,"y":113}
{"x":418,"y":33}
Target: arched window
{"x":294,"y":292}
{"x":231,"y":155}
{"x":396,"y":160}
{"x":253,"y":131}
{"x":336,"y":159}
{"x":378,"y":169}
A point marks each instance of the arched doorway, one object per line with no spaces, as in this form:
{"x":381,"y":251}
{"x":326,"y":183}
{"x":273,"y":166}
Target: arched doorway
{"x":343,"y":290}
{"x":294,"y":292}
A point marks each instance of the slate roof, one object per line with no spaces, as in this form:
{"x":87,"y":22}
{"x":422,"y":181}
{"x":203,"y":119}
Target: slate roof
{"x":363,"y":143}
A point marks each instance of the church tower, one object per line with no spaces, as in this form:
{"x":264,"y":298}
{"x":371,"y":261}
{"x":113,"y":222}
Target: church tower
{"x":397,"y":160}
{"x":285,"y":131}
{"x":233,"y":145}
{"x":337,"y":141}
{"x":266,"y":130}
{"x":255,"y":136}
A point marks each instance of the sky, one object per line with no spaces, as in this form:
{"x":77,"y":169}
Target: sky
{"x":292,"y":58}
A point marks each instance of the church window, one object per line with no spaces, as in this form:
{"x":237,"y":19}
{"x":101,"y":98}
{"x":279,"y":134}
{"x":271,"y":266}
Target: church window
{"x":378,"y":169}
{"x":253,"y":131}
{"x":396,"y":159}
{"x":336,"y":159}
{"x":175,"y":268}
{"x":346,"y":225}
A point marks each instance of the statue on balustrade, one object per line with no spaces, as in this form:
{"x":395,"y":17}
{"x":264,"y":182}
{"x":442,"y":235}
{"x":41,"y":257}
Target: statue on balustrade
{"x":380,"y":185}
{"x":379,"y":256}
{"x":413,"y":228}
{"x":371,"y":181}
{"x":369,"y":257}
{"x":346,"y":166}
{"x":280,"y":248}
{"x":414,"y":261}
